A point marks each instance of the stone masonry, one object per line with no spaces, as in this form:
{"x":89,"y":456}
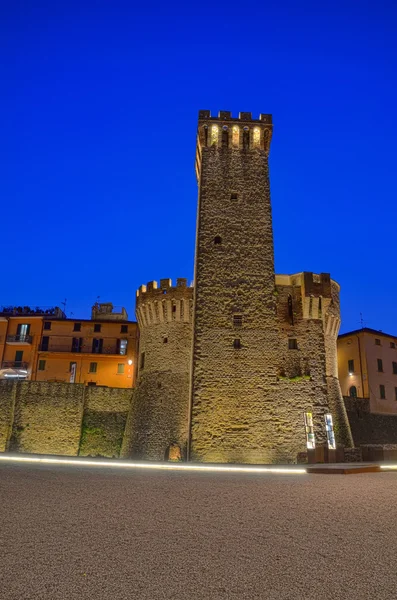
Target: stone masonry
{"x":263,"y":345}
{"x":157,"y":427}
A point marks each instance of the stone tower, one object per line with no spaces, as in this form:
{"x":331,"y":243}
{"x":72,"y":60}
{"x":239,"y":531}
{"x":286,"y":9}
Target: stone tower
{"x":157,"y":427}
{"x":258,"y":361}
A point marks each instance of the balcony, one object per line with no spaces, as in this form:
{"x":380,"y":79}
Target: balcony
{"x":84,"y":350}
{"x":14,"y":369}
{"x":19,"y":339}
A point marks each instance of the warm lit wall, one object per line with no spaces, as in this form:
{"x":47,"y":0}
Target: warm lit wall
{"x":349,"y":349}
{"x":59,"y":356}
{"x":29,"y":349}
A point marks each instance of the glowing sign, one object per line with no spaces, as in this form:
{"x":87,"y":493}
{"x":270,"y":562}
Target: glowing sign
{"x":330,"y":432}
{"x":310,"y":441}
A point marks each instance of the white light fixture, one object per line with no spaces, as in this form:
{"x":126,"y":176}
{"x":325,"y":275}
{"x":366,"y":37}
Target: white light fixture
{"x":159,"y":466}
{"x":130,"y":362}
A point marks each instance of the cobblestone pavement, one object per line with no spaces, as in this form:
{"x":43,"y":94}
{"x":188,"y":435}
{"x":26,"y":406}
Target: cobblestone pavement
{"x":79,"y":532}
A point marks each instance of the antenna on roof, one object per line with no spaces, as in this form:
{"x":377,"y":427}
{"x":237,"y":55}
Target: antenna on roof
{"x":362,"y":321}
{"x":64,"y":305}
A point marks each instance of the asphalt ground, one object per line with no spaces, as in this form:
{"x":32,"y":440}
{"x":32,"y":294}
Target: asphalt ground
{"x":101,"y":533}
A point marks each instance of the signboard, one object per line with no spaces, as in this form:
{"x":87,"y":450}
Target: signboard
{"x":310,"y":441}
{"x":330,"y":432}
{"x":73,"y":367}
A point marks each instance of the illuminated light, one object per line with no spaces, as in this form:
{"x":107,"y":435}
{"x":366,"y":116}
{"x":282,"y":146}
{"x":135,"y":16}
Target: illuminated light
{"x":235,"y":136}
{"x":389,"y":467}
{"x":351,"y":374}
{"x":257,"y":137}
{"x":130,"y":362}
{"x":214,"y":134}
{"x":161,"y":466}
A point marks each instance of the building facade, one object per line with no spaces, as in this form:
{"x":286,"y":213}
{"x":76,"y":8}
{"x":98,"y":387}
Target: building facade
{"x":367,"y":365}
{"x":43,"y":345}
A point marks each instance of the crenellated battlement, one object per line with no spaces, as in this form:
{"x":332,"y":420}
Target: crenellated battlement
{"x":317,"y":292}
{"x":164,"y":303}
{"x":231,"y":133}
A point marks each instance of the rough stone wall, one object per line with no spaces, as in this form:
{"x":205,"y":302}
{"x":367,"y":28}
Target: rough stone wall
{"x":159,"y":413}
{"x":104,"y":421}
{"x":62,"y":418}
{"x":7,"y":402}
{"x":248,"y":402}
{"x":367,"y":427}
{"x":47,"y":418}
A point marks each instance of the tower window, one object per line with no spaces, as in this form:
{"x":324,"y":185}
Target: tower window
{"x":214,"y":135}
{"x":237,"y":344}
{"x":165,"y":340}
{"x":292,"y":344}
{"x":238,"y":320}
{"x":174,"y":308}
{"x":382,"y":392}
{"x":235,"y":136}
{"x":217,"y":240}
{"x":257,"y":137}
{"x":290,"y":310}
{"x":225,"y":137}
{"x":246,"y":138}
{"x":142,"y":363}
{"x":234,"y":196}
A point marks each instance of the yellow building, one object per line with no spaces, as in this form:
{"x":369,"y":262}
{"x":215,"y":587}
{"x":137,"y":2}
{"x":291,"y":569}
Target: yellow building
{"x":43,"y":345}
{"x":367,"y":367}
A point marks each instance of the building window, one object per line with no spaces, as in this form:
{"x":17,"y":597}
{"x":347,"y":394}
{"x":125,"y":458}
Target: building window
{"x":380,"y":365}
{"x":377,"y":341}
{"x":77,"y":327}
{"x":77,"y":344}
{"x":47,"y":325}
{"x":91,"y":383}
{"x":353,"y":392}
{"x":93,"y":367}
{"x":41,"y":365}
{"x":395,"y":393}
{"x":217,"y":240}
{"x":18,"y":358}
{"x":237,"y":344}
{"x":45,"y":340}
{"x":122,"y":347}
{"x":97,"y":345}
{"x":392,"y":345}
{"x":142,"y":363}
{"x":394,"y":368}
{"x":124,"y":329}
{"x":238,"y":320}
{"x":350,"y":366}
{"x":120,"y":368}
{"x":292,"y":344}
{"x":97,"y":327}
{"x":382,"y":392}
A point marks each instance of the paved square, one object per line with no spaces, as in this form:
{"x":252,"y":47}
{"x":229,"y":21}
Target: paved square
{"x":80,"y":532}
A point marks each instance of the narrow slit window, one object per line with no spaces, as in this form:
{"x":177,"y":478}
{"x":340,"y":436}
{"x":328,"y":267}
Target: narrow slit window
{"x":292,"y":344}
{"x":237,"y":344}
{"x":257,"y":137}
{"x":234,"y":196}
{"x":218,"y":240}
{"x":214,"y":135}
{"x":235,"y":136}
{"x":238,"y":320}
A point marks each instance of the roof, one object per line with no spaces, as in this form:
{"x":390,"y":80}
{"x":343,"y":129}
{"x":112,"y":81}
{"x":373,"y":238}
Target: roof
{"x":367,"y":330}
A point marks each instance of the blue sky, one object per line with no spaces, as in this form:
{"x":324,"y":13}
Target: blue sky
{"x":100,"y":101}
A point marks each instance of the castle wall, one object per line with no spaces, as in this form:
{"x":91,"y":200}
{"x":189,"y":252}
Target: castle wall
{"x":104,"y":421}
{"x":62,"y":418}
{"x":47,"y":418}
{"x":158,"y":420}
{"x":367,"y":427}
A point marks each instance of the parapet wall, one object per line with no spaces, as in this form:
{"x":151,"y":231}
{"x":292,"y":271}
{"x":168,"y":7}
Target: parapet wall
{"x":62,"y":418}
{"x":165,"y":303}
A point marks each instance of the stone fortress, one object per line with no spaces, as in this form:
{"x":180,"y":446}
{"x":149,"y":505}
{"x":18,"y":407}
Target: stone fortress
{"x":228,"y":368}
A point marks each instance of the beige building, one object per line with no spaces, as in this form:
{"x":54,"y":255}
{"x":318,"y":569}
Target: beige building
{"x":367,"y":366}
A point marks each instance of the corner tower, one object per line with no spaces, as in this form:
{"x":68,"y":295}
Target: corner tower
{"x":157,"y":427}
{"x":235,"y":338}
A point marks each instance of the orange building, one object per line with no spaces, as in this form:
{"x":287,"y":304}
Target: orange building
{"x":367,"y":368}
{"x":43,"y":345}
